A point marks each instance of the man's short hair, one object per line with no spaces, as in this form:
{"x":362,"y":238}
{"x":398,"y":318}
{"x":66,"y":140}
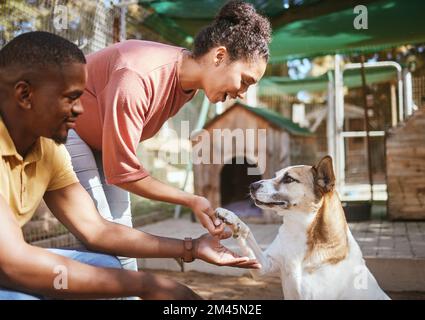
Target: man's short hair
{"x":39,"y":49}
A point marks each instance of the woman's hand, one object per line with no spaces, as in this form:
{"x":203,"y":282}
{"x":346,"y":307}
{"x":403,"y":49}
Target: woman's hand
{"x":209,"y":249}
{"x":156,"y":190}
{"x":201,"y":207}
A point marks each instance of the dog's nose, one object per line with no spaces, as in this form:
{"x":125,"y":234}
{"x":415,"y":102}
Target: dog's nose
{"x":255,"y":186}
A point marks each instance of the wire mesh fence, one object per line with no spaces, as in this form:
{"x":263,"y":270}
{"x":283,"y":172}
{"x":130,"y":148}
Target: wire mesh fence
{"x":419,"y":91}
{"x":90,"y":24}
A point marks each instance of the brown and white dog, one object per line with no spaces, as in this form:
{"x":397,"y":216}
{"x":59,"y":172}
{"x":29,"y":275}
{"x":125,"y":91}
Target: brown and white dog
{"x":314,"y":252}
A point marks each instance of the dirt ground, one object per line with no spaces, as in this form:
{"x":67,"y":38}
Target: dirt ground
{"x":214,"y":287}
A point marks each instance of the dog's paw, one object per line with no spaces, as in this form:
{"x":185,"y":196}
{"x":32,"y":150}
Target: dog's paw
{"x":228,"y":217}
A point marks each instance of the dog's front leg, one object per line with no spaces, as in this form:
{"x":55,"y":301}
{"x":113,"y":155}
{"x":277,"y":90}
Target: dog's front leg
{"x":246,"y":241}
{"x":251,"y":248}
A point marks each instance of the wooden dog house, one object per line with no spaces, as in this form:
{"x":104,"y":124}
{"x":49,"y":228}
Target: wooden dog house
{"x":227,"y":183}
{"x":405,"y":150}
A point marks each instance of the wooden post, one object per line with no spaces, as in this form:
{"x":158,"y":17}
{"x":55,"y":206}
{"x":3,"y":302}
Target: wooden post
{"x":393,"y":106}
{"x":116,"y":31}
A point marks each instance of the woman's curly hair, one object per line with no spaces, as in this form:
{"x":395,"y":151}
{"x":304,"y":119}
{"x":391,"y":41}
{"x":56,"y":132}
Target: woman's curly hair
{"x":238,"y":27}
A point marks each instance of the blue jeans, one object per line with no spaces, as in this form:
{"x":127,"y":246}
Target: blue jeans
{"x":113,"y":203}
{"x":91,"y":258}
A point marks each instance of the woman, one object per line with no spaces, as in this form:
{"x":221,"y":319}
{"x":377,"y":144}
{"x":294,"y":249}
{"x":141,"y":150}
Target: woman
{"x":135,"y":86}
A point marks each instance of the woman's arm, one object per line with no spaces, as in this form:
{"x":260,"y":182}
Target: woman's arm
{"x":123,"y":126}
{"x":151,"y":188}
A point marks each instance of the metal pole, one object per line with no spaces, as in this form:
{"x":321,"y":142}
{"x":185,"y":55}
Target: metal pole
{"x":330,"y":123}
{"x":366,"y":115}
{"x":408,"y":99}
{"x":123,"y":15}
{"x":199,"y":125}
{"x":123,"y":23}
{"x":339,"y":123}
{"x":400,"y":96}
{"x":399,"y":79}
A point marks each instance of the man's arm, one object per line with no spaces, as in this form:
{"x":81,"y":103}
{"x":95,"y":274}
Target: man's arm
{"x":154,"y":189}
{"x":30,"y":269}
{"x":73,"y":206}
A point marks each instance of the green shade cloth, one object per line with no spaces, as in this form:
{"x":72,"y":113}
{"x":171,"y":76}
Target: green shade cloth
{"x":352,"y":79}
{"x":390,"y":23}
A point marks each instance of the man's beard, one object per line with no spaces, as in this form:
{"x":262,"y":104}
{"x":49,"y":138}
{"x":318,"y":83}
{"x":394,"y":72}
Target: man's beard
{"x":59,"y":140}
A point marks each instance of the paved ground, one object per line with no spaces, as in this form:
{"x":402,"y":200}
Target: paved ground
{"x":394,"y":252}
{"x":390,"y":239}
{"x":376,"y":238}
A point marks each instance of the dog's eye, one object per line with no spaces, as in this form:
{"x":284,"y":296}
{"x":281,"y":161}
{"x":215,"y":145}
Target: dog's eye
{"x":288,"y":179}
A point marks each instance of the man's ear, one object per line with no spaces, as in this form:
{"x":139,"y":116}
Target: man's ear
{"x":324,"y":177}
{"x":23,"y":92}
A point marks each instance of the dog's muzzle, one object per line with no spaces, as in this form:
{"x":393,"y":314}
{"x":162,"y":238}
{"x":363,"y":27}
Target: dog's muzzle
{"x":271,"y":204}
{"x":254,"y":187}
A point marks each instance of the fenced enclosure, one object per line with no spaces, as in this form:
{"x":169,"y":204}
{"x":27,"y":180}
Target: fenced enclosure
{"x":418,"y":88}
{"x":92,"y":25}
{"x":95,"y":24}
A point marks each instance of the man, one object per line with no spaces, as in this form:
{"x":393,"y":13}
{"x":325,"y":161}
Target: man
{"x":42,"y":77}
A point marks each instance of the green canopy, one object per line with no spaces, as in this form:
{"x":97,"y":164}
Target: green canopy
{"x":305,"y":30}
{"x":390,"y":23}
{"x":352,"y":79}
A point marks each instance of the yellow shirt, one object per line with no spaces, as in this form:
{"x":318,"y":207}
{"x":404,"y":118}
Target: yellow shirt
{"x":23,"y":181}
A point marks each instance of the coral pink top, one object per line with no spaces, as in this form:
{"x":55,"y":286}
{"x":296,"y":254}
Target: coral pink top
{"x":132,"y":89}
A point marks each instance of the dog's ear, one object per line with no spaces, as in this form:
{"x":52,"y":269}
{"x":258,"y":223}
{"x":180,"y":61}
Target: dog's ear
{"x":324,"y":177}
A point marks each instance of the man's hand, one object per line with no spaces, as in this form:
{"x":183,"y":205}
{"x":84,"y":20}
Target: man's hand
{"x":209,"y":249}
{"x":201,"y":207}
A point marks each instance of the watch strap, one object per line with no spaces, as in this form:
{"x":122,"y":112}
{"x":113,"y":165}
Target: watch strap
{"x":188,"y":250}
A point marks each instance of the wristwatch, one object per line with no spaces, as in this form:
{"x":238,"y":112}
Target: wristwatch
{"x":188,"y":250}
